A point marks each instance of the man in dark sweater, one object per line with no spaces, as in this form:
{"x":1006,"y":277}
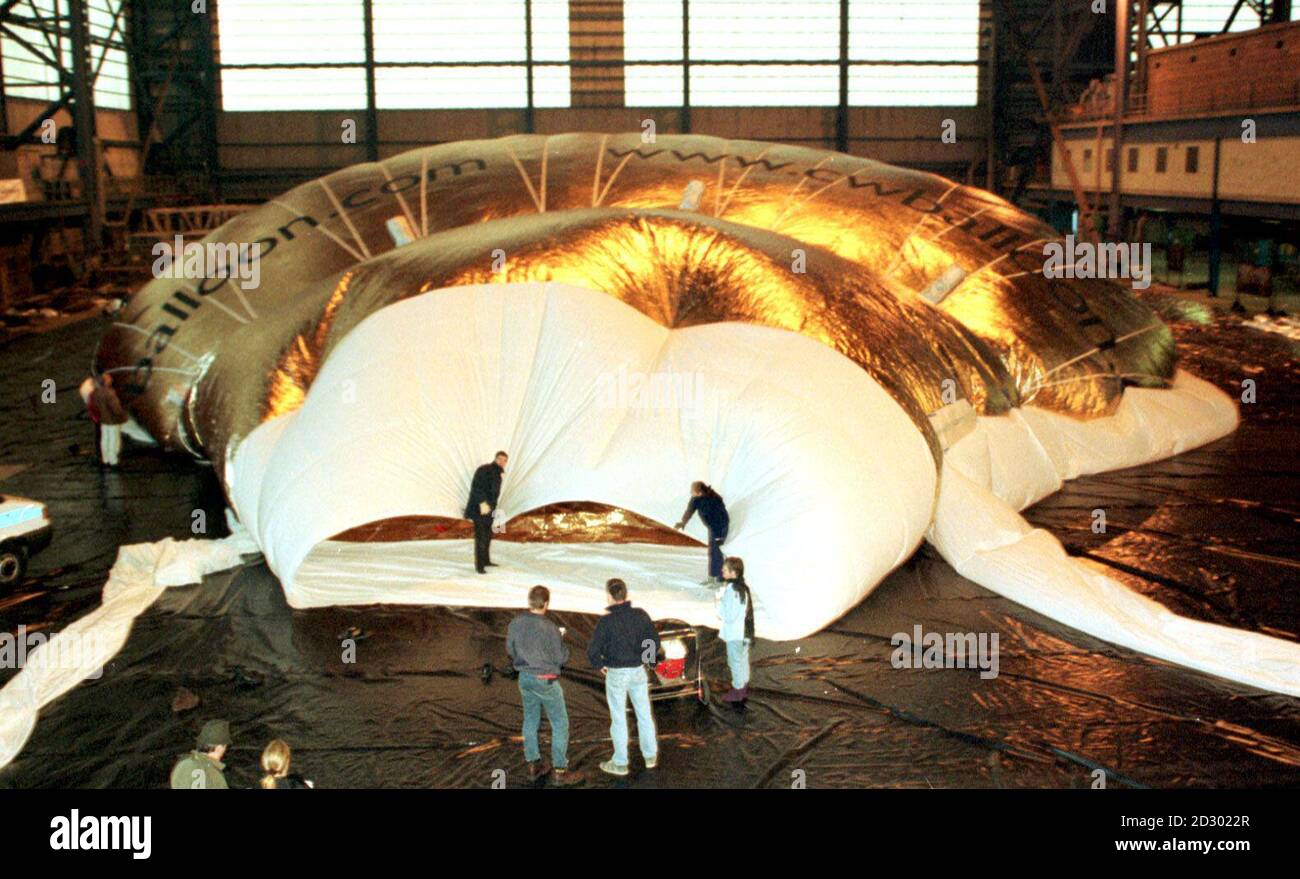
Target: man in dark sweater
{"x":713,"y":511}
{"x":484,"y":490}
{"x":537,"y":650}
{"x":624,"y":643}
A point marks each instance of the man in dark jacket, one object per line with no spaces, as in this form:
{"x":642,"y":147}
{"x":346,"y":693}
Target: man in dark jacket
{"x":624,"y":643}
{"x":536,"y":648}
{"x":484,"y":490}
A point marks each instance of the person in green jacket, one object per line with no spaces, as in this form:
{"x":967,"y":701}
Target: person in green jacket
{"x":202,"y":768}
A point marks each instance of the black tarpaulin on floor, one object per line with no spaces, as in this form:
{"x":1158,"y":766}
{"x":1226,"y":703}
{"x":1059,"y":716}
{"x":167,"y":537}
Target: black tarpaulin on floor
{"x":1212,"y":534}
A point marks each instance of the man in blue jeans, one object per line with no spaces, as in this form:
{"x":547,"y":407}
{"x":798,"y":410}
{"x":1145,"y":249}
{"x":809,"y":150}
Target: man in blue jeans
{"x":537,"y":650}
{"x":624,"y":643}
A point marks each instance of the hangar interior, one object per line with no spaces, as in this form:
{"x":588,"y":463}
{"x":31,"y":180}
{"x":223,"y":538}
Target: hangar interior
{"x":130,"y":124}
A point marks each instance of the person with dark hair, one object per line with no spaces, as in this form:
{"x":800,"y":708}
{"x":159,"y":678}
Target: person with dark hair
{"x":537,"y":650}
{"x":484,"y":490}
{"x":624,"y":643}
{"x":202,"y":769}
{"x":736,"y":610}
{"x":713,"y":512}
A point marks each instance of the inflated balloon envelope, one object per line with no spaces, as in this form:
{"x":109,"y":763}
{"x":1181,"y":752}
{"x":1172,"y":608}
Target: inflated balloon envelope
{"x":857,"y":356}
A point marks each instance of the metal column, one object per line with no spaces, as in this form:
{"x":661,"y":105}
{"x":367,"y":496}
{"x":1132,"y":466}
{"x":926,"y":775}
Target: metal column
{"x":372,"y":114}
{"x":83,"y":120}
{"x":1115,"y":223}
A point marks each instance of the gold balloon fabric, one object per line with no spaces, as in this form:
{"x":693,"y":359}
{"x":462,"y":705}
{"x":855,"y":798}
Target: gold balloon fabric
{"x":573,"y":522}
{"x":686,"y":229}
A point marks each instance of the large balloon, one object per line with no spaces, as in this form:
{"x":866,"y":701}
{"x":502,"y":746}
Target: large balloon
{"x":854,"y":354}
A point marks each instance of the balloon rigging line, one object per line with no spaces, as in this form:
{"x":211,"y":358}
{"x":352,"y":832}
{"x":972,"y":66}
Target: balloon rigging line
{"x":720,"y":208}
{"x":336,"y":239}
{"x":410,"y":218}
{"x":347,"y":220}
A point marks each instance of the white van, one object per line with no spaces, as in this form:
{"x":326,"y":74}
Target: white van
{"x":25,"y":530}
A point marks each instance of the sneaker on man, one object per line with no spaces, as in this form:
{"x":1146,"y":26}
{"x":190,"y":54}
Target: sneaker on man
{"x":537,"y":769}
{"x":566,"y":777}
{"x":611,"y":768}
{"x":652,"y":762}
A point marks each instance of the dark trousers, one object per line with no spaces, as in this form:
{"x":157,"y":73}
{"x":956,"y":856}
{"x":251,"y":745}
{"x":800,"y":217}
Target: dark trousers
{"x":715,"y":551}
{"x":482,"y":541}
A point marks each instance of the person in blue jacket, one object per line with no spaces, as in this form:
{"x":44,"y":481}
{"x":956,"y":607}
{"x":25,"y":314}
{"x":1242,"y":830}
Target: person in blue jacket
{"x":713,"y":512}
{"x":735,"y":606}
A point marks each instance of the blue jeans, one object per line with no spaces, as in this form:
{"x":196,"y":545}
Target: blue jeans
{"x":738,"y":662}
{"x":620,"y":683}
{"x":716,"y":539}
{"x":537,"y":695}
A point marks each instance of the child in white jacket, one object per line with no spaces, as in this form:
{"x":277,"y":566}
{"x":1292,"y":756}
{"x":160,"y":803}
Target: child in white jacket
{"x":735,"y":607}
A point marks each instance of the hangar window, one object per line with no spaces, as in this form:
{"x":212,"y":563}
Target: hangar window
{"x":37,"y":34}
{"x":292,"y":55}
{"x":470,"y":53}
{"x":1209,"y":16}
{"x":922,"y":53}
{"x":732,"y":53}
{"x":1162,"y":159}
{"x":1132,"y":159}
{"x":1193,"y":159}
{"x":1087,"y":160}
{"x":770,"y":53}
{"x":312,"y":54}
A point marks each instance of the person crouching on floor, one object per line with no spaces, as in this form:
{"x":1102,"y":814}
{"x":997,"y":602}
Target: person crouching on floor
{"x":735,"y":608}
{"x":537,"y":650}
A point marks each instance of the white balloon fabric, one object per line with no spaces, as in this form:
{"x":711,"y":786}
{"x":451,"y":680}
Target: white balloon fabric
{"x":562,"y":377}
{"x":829,"y":483}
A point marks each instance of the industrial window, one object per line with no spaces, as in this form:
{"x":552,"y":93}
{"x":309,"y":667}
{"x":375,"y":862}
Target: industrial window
{"x":1132,"y":160}
{"x":1087,"y":160}
{"x":1162,"y":159}
{"x":1209,"y":16}
{"x":726,"y":38}
{"x":772,"y":53}
{"x":311,"y":54}
{"x":39,"y":35}
{"x":919,"y":53}
{"x":1110,"y":160}
{"x":480,"y":48}
{"x":292,"y":55}
{"x":1192,"y":160}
